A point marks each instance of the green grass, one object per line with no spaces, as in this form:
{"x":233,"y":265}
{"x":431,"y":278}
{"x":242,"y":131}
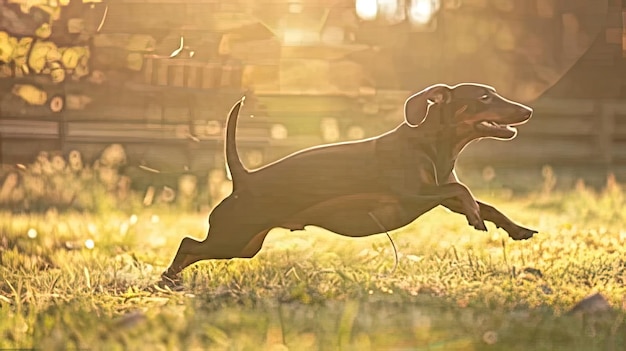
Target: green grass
{"x":454,"y":289}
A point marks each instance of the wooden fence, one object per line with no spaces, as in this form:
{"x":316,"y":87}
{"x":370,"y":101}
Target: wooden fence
{"x":585,"y":137}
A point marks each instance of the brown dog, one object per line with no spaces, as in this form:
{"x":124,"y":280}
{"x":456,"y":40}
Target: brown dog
{"x":364,"y":187}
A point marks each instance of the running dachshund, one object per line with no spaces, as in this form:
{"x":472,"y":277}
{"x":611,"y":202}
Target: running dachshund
{"x":363,"y":187}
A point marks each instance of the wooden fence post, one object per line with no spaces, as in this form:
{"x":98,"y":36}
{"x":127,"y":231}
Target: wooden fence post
{"x":61,"y":120}
{"x":1,"y":149}
{"x":606,"y":112}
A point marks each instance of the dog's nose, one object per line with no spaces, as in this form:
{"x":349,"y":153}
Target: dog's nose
{"x":526,"y":112}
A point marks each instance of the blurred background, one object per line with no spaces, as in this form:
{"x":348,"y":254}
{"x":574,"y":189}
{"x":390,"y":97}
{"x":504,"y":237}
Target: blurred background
{"x":133,"y":94}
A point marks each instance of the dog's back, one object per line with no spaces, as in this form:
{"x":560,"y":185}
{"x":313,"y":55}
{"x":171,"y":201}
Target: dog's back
{"x":316,"y":173}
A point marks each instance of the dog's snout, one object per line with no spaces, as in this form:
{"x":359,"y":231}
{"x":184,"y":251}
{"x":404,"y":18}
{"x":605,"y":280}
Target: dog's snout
{"x":525,"y":112}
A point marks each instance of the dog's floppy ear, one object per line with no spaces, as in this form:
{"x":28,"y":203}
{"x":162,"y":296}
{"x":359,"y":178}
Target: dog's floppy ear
{"x":417,"y":105}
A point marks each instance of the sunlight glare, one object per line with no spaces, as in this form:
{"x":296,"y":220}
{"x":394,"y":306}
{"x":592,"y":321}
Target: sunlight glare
{"x":158,"y":241}
{"x":422,"y":11}
{"x":32,"y":233}
{"x":133,"y":219}
{"x":92,"y":229}
{"x":367,"y":9}
{"x":89,"y":244}
{"x":393,"y":11}
{"x":278,"y":132}
{"x":124,"y":228}
{"x":414,"y":258}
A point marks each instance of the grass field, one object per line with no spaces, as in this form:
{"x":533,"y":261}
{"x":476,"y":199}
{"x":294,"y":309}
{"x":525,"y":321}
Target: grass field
{"x":76,"y":281}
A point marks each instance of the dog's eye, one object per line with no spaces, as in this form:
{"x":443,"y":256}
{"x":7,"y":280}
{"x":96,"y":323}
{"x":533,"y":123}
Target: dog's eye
{"x":486,"y":98}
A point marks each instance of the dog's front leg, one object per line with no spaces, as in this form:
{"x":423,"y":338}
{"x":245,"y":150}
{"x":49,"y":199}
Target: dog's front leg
{"x":455,"y":192}
{"x":489,"y":213}
{"x":515,"y":231}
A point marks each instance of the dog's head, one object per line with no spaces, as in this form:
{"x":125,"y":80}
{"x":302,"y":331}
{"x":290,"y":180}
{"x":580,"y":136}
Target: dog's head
{"x":475,"y":110}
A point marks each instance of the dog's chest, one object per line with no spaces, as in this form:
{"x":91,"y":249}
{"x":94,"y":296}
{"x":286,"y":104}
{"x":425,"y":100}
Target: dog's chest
{"x":443,"y":170}
{"x":433,"y":164}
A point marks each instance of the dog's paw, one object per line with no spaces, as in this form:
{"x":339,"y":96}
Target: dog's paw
{"x":480,"y":226}
{"x":521,"y":233}
{"x":174,"y":283}
{"x":475,"y":220}
{"x":477,"y":223}
{"x":472,"y":213}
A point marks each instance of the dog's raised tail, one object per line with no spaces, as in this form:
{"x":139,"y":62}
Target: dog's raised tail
{"x":235,"y":166}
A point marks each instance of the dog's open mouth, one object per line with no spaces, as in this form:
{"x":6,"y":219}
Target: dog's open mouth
{"x":490,"y":125}
{"x":497,"y":130}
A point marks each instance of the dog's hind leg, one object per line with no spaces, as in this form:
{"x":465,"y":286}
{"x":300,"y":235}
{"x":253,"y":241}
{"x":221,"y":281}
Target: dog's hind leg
{"x":215,"y":246}
{"x":187,"y":254}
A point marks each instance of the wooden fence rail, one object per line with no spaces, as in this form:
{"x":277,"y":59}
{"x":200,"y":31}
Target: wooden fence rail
{"x":562,"y":133}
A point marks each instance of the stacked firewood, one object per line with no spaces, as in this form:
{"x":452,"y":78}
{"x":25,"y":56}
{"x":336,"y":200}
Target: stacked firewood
{"x":54,"y":180}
